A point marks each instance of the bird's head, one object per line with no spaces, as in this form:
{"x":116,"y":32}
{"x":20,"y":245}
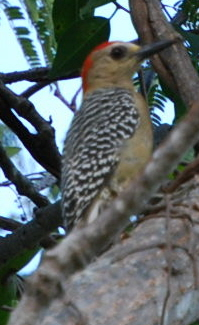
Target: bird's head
{"x":114,"y":63}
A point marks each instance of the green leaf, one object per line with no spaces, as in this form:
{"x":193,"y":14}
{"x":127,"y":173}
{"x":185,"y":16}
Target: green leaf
{"x":189,"y":156}
{"x":156,"y":100}
{"x":40,"y":14}
{"x":18,"y":262}
{"x":193,"y":40}
{"x":190,"y":9}
{"x":179,"y":106}
{"x":11,"y":151}
{"x":91,"y":5}
{"x":2,"y":130}
{"x":9,"y":283}
{"x":15,"y":15}
{"x":54,"y":191}
{"x":44,"y":27}
{"x":14,"y":12}
{"x":32,"y":9}
{"x":77,"y":42}
{"x":65,"y":13}
{"x":8,"y":296}
{"x":21,"y":31}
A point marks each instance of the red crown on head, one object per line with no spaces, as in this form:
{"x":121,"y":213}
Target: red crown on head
{"x":89,"y":62}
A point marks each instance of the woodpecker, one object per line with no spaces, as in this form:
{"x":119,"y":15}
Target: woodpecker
{"x":110,"y":138}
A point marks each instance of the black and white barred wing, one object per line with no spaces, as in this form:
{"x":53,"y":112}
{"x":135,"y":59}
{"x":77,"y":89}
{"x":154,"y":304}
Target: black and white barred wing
{"x":92,"y":147}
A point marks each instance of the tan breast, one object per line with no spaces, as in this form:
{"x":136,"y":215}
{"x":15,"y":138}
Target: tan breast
{"x":136,"y":151}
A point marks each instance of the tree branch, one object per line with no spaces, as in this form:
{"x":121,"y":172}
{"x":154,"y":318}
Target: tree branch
{"x":39,"y":145}
{"x":9,"y":224}
{"x":23,"y":185}
{"x":34,"y":75}
{"x":33,"y":89}
{"x":29,"y":235}
{"x":25,"y":109}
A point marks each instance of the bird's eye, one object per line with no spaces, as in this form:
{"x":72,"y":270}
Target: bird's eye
{"x":118,"y":52}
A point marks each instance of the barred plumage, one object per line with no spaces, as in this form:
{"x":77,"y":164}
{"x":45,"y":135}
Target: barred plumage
{"x":92,"y":147}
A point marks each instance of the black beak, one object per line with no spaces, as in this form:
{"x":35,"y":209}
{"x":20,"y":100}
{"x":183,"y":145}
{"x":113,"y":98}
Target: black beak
{"x":153,"y":48}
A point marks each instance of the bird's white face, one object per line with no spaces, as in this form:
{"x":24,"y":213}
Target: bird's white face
{"x":117,"y":55}
{"x":113,"y":65}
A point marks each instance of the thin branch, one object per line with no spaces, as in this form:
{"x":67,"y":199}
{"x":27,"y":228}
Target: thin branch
{"x":25,"y":109}
{"x":72,"y":106}
{"x":191,"y":170}
{"x":20,"y":206}
{"x":73,"y":101}
{"x":34,"y":75}
{"x":6,"y":308}
{"x":164,"y":7}
{"x":9,"y":224}
{"x":59,"y":95}
{"x":37,"y":176}
{"x":35,"y":88}
{"x":39,"y":145}
{"x":118,"y":6}
{"x":29,"y":235}
{"x":180,"y":18}
{"x":23,"y":185}
{"x":143,"y":89}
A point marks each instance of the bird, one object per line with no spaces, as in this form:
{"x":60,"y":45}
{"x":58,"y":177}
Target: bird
{"x":110,"y":138}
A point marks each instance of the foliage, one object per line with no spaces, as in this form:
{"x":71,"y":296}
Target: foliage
{"x":6,"y":137}
{"x":10,"y":286}
{"x":156,"y":101}
{"x":71,"y":53}
{"x":34,"y":15}
{"x":190,"y":8}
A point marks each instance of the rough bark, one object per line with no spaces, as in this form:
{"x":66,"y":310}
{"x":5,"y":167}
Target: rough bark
{"x":152,"y":275}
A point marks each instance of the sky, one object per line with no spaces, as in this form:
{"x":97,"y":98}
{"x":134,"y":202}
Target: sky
{"x":12,"y":59}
